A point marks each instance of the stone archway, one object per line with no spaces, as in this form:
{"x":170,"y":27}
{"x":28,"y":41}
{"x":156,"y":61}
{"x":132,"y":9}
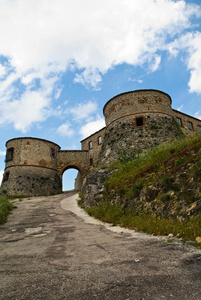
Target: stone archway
{"x":78,"y":180}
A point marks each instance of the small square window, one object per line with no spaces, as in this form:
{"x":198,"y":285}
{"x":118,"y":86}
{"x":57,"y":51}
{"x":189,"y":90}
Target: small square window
{"x":199,"y":128}
{"x":90,"y":145}
{"x":91,"y":161}
{"x":52,"y":152}
{"x":190,"y":125}
{"x":139,"y":121}
{"x":9,"y":154}
{"x":99,"y":140}
{"x":179,"y":121}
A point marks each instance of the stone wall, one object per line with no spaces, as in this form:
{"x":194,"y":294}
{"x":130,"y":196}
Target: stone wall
{"x":185,"y":122}
{"x":77,"y":159}
{"x":157,"y":128}
{"x":136,"y":103}
{"x":78,"y":181}
{"x":32,"y":152}
{"x":31,"y":181}
{"x":31,"y":167}
{"x":93,"y":186}
{"x":123,"y":131}
{"x":93,"y":145}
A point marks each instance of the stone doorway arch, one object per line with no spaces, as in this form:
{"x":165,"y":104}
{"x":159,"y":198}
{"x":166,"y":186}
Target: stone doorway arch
{"x":79,"y":178}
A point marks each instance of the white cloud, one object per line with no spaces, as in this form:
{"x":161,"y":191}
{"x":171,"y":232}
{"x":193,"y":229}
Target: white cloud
{"x":180,"y":107}
{"x":89,"y":78}
{"x":41,"y":39}
{"x":2,"y":71}
{"x":191,"y":44}
{"x":92,"y":127}
{"x":32,"y":106}
{"x":198,"y":115}
{"x":1,"y":176}
{"x":3,"y":153}
{"x":65,"y":130}
{"x":194,"y":63}
{"x":154,"y":65}
{"x":84,"y":110}
{"x":140,"y":81}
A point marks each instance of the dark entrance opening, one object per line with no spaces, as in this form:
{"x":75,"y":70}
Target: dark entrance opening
{"x":139,"y":121}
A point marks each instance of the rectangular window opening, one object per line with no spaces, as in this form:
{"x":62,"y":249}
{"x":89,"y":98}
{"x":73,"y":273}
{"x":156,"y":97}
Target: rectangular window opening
{"x":90,"y":145}
{"x":179,"y":121}
{"x":190,"y":125}
{"x":139,"y":121}
{"x":9,"y":154}
{"x":52,"y":153}
{"x":91,"y":161}
{"x":199,"y":128}
{"x":99,"y":140}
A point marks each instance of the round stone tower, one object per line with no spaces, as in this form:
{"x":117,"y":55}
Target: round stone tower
{"x":31,"y":167}
{"x":137,"y":120}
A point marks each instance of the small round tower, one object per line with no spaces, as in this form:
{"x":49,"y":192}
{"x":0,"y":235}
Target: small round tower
{"x":31,"y":167}
{"x":137,"y":120}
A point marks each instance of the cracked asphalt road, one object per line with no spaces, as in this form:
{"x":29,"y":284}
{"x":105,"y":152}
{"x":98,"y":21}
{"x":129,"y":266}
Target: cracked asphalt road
{"x":48,"y":251}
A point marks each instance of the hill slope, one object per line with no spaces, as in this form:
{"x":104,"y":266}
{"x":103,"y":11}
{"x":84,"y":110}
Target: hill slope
{"x":157,"y":192}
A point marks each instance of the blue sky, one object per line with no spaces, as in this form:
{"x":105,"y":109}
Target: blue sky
{"x":61,"y":61}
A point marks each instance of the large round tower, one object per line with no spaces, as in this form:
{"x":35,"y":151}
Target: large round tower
{"x":31,"y":167}
{"x":137,"y":120}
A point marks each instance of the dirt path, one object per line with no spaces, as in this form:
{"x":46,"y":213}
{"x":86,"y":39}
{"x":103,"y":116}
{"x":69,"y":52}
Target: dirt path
{"x":48,"y":251}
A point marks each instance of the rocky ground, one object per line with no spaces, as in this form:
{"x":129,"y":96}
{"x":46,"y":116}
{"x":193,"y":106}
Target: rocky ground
{"x":48,"y":251}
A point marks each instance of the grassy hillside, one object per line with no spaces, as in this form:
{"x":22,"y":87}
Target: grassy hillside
{"x":157,"y":192}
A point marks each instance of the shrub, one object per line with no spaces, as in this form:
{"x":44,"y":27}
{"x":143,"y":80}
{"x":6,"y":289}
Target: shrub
{"x":5,"y":208}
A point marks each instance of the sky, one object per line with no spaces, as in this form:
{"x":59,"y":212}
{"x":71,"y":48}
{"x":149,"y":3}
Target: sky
{"x":61,"y":61}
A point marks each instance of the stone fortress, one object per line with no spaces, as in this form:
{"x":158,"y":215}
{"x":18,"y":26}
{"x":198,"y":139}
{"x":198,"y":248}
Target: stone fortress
{"x":134,"y":120}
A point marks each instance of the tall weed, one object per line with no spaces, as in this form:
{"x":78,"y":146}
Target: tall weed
{"x":5,"y":208}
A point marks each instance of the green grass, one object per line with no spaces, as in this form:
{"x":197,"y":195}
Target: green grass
{"x":147,"y":222}
{"x":5,"y":208}
{"x":150,"y":168}
{"x":157,"y":168}
{"x":150,"y":159}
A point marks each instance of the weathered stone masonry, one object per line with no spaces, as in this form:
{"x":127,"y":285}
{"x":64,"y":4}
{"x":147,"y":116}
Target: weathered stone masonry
{"x":134,"y":120}
{"x":35,"y":166}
